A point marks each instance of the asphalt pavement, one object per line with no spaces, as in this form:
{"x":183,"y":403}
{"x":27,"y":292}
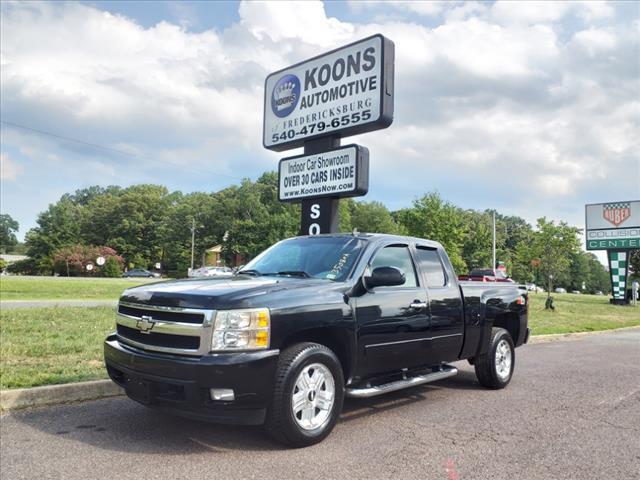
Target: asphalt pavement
{"x":572,"y":411}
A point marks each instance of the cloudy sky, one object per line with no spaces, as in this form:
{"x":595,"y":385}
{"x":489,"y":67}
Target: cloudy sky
{"x":530,"y":108}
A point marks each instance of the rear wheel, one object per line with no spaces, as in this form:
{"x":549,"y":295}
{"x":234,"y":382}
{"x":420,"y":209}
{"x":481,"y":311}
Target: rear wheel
{"x":308,"y":395}
{"x":494,"y":369}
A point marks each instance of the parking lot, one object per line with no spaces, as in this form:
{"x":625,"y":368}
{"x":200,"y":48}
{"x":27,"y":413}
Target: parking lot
{"x":571,"y":411}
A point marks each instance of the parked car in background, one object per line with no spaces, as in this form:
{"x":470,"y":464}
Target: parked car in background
{"x":599,"y":292}
{"x":140,"y":273}
{"x":486,"y":275}
{"x":560,"y":290}
{"x":531,"y":287}
{"x":210,"y":272}
{"x":575,"y":292}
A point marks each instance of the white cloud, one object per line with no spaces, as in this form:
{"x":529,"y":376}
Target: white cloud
{"x":529,"y":12}
{"x":10,"y":169}
{"x":493,"y":51}
{"x":287,"y":20}
{"x":506,"y":98}
{"x":426,"y":8}
{"x":595,"y":41}
{"x":540,"y":11}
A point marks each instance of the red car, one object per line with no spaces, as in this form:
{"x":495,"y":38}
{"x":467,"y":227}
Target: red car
{"x":486,"y":275}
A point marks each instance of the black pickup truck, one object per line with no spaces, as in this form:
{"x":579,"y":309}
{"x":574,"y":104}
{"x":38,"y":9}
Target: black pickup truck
{"x":308,"y":322}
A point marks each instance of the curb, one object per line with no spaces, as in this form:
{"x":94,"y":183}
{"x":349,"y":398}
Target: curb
{"x":553,"y":337}
{"x":76,"y":392}
{"x":56,"y":394}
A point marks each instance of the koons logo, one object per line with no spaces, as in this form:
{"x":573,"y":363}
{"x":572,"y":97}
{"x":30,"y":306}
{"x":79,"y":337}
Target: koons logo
{"x":285,"y":95}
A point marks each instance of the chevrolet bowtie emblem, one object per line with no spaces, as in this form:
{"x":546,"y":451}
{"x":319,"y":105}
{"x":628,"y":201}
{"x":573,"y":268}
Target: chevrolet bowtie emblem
{"x":145,"y":324}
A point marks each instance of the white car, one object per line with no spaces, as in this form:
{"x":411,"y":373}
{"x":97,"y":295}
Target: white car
{"x":210,"y":272}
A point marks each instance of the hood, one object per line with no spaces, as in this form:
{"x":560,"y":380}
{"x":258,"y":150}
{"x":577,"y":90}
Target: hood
{"x":239,"y":291}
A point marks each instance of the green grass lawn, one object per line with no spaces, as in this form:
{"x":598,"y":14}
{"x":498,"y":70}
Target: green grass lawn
{"x":42,"y":346}
{"x":62,"y":288}
{"x":578,"y":313}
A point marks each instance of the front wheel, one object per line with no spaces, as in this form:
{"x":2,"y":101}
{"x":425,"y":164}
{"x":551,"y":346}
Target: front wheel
{"x":308,"y":395}
{"x":494,"y":369}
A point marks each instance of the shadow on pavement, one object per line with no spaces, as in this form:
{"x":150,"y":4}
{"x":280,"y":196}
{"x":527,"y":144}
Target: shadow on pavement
{"x":120,"y":424}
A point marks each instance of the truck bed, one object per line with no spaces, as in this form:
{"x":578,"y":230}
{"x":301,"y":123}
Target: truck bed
{"x":488,"y":301}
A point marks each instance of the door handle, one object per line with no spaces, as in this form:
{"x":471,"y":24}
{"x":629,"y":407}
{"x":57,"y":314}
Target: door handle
{"x":418,"y":305}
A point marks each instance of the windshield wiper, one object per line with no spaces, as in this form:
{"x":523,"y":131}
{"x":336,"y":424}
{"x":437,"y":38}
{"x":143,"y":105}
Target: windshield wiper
{"x":295,"y":273}
{"x":251,"y":271}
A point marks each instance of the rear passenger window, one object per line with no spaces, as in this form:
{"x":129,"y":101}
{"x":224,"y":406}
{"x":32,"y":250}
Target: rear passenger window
{"x":431,"y":265}
{"x":397,"y":256}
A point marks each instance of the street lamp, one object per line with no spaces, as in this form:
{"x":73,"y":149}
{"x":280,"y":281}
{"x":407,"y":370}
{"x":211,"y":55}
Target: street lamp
{"x":193,"y":238}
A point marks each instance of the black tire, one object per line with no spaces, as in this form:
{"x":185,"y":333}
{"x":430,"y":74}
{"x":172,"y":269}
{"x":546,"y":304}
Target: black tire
{"x":486,"y":369}
{"x":280,"y":422}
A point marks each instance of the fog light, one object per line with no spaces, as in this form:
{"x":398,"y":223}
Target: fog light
{"x":222,"y":394}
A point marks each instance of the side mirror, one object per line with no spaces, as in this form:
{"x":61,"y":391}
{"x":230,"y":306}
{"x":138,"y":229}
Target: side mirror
{"x":385,"y":277}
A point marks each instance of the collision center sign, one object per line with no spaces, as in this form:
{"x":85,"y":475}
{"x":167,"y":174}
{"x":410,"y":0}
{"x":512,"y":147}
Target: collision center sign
{"x":344,"y":92}
{"x":341,"y":172}
{"x":614,"y":225}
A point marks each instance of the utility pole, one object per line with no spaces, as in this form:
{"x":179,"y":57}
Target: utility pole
{"x":193,"y":239}
{"x":494,"y":240}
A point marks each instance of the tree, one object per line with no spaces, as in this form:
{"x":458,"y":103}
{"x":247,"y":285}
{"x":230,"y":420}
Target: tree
{"x":478,"y":237}
{"x":257,"y":218}
{"x":599,"y":277}
{"x":579,"y":272}
{"x":58,"y":226}
{"x":634,"y":265}
{"x":373,"y":217}
{"x":435,"y":219}
{"x":8,"y":229}
{"x":552,"y":245}
{"x":127,"y":220}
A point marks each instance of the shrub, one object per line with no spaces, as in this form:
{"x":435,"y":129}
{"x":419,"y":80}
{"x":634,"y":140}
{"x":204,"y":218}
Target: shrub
{"x":111,"y":268}
{"x":73,"y":260}
{"x":28,"y":266}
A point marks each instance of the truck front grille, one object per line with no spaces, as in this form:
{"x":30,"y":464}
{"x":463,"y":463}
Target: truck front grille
{"x":182,"y":331}
{"x":158,"y":339}
{"x":171,"y":316}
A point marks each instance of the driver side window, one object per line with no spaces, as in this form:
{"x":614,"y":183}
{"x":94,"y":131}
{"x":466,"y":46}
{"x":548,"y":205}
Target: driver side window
{"x":397,"y":256}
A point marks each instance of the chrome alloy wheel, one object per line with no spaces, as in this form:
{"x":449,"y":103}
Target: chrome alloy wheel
{"x":504,"y":357}
{"x":313,"y":396}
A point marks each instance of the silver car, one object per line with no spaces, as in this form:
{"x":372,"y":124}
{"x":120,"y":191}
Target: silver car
{"x":211,"y":272}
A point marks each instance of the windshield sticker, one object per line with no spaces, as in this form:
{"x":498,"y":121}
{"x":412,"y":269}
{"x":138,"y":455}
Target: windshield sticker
{"x":337,"y":268}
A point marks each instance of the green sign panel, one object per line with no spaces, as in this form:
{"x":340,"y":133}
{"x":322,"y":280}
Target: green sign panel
{"x":613,"y":244}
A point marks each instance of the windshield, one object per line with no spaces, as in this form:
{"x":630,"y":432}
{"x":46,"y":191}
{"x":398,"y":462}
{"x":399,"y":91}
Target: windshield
{"x":330,"y":258}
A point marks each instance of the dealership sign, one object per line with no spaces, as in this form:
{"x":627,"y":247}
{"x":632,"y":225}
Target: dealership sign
{"x":614,"y":225}
{"x":340,"y":172}
{"x":344,"y":92}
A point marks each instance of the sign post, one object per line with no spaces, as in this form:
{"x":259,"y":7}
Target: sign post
{"x":314,"y":104}
{"x":614,"y":227}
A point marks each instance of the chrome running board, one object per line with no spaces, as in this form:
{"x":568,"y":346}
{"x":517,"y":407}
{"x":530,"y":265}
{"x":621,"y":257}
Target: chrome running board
{"x":366,"y":392}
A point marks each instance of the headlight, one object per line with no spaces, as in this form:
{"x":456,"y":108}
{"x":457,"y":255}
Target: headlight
{"x":241,"y":329}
